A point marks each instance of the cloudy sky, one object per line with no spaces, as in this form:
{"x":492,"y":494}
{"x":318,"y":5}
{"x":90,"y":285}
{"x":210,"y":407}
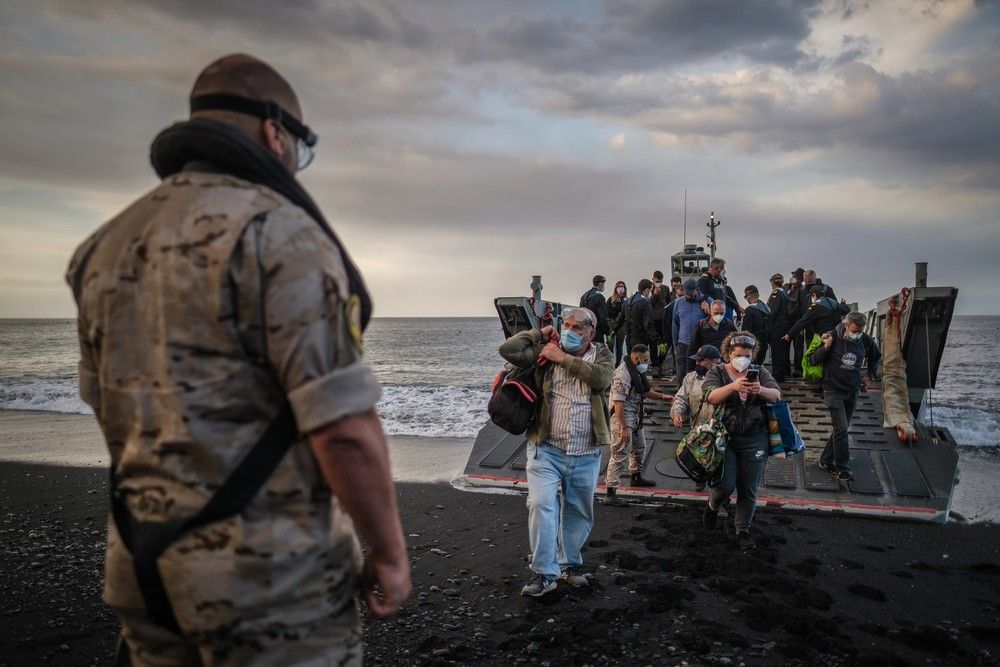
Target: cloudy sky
{"x":465,"y":146}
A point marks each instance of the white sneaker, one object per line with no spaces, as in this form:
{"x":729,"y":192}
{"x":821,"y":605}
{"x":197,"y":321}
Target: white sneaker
{"x":575,"y":577}
{"x":538,"y":586}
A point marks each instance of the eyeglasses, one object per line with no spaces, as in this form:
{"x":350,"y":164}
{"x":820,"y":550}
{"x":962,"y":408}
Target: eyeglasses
{"x":305,"y":138}
{"x":304,"y":153}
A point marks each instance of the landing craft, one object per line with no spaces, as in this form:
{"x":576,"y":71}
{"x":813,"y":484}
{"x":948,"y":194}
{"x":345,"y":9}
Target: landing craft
{"x":904,"y":467}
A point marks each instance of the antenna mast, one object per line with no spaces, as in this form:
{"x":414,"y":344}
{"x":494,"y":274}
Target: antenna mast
{"x":685,"y":218}
{"x":712,"y":224}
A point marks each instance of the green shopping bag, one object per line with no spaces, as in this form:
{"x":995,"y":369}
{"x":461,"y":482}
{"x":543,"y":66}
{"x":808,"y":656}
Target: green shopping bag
{"x":812,"y":372}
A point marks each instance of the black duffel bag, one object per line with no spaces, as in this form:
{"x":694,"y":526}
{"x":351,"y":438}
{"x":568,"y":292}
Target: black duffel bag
{"x":515,"y":400}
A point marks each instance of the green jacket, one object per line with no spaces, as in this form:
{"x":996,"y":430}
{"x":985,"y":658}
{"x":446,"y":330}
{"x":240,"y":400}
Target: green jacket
{"x":522,"y":350}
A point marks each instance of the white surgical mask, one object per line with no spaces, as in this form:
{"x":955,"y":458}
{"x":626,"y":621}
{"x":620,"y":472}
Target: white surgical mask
{"x":717,"y":318}
{"x":852,"y":336}
{"x":642,"y":368}
{"x":740,"y":363}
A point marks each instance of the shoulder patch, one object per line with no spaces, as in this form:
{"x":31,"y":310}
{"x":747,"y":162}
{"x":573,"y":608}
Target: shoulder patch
{"x":352,"y":316}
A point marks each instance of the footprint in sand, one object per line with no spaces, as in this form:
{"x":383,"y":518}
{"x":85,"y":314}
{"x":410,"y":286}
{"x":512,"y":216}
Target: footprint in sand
{"x":867,"y":592}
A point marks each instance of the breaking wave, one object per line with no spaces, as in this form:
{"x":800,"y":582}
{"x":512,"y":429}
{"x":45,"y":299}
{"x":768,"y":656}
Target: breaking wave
{"x":47,"y":395}
{"x":419,"y":411}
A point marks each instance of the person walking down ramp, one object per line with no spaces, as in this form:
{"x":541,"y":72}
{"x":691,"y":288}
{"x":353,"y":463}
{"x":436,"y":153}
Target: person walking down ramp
{"x":743,"y":392}
{"x":841,"y":354}
{"x":629,"y":388}
{"x":564,"y":441}
{"x":220,"y":323}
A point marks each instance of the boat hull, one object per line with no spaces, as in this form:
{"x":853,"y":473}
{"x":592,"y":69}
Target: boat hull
{"x":893,"y":479}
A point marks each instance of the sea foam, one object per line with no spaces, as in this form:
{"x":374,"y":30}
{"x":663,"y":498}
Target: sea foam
{"x":421,"y":411}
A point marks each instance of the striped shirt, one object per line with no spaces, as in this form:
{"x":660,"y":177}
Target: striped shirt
{"x":571,"y":428}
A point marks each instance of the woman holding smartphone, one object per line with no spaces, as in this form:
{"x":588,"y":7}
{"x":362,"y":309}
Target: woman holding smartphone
{"x":744,"y":391}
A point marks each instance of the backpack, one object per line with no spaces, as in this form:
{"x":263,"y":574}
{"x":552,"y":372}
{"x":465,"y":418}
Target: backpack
{"x":812,"y":372}
{"x":700,"y":453}
{"x":515,"y":400}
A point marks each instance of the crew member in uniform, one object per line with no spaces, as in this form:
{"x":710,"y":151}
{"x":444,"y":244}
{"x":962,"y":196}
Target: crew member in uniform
{"x":798,"y":302}
{"x":823,"y":315}
{"x":220,"y":322}
{"x":713,"y":288}
{"x":778,"y":303}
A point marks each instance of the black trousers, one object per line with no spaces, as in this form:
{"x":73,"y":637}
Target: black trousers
{"x":779,"y":357}
{"x":799,"y":342}
{"x":618,"y":342}
{"x":742,"y":472}
{"x":761,"y":353}
{"x":838,"y":446}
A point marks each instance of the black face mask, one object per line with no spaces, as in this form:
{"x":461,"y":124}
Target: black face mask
{"x":700,"y":370}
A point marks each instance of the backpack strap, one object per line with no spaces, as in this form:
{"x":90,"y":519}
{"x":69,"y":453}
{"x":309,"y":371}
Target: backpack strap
{"x":147,"y":540}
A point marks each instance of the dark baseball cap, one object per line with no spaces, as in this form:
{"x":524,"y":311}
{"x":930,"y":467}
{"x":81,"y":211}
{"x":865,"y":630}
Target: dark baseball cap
{"x":599,"y":279}
{"x":777,"y":276}
{"x":706,"y":352}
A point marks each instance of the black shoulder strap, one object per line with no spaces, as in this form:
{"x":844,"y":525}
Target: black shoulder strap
{"x":147,"y":540}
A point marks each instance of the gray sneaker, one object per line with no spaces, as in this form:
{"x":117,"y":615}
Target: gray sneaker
{"x":538,"y":586}
{"x":575,"y":577}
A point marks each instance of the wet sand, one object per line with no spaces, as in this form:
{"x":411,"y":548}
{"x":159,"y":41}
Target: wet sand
{"x":28,"y":436}
{"x":819,"y":590}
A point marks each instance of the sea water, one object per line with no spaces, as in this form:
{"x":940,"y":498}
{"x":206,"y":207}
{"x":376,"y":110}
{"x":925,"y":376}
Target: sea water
{"x":436,"y":375}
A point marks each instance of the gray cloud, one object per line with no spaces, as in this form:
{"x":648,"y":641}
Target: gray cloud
{"x":429,"y":113}
{"x":636,"y":36}
{"x":943,"y":117}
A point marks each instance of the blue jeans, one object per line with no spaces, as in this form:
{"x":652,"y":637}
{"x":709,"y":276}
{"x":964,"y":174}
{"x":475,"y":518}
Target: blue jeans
{"x":681,"y":360}
{"x":559,"y":527}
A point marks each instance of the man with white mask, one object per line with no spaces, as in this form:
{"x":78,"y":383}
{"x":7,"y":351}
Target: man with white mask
{"x":713,"y":329}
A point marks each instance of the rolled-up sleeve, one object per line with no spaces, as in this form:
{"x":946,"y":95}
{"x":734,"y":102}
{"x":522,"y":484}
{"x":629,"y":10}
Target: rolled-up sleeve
{"x":312,"y":323}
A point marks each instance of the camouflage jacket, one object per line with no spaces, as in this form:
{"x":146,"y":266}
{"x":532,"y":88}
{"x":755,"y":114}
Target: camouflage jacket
{"x":522,"y":350}
{"x":203,"y":308}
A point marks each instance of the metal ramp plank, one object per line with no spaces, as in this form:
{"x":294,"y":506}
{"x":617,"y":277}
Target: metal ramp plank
{"x":521,"y":461}
{"x":905,"y":475}
{"x":669,"y":468}
{"x":780,"y":473}
{"x":503,"y":452}
{"x":866,"y":480}
{"x":817,"y":479}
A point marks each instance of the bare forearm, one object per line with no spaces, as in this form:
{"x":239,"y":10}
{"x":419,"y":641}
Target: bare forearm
{"x":718,"y":396}
{"x":770,"y":394}
{"x":619,"y":411}
{"x":354,"y":459}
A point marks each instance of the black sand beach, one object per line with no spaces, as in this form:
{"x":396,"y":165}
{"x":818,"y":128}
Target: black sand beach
{"x":819,"y":590}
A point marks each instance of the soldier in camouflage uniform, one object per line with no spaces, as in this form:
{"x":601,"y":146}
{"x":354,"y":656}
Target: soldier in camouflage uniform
{"x":629,"y":389}
{"x":204,"y":307}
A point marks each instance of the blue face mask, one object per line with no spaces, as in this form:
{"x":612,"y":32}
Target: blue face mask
{"x":642,"y":368}
{"x":571,"y":341}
